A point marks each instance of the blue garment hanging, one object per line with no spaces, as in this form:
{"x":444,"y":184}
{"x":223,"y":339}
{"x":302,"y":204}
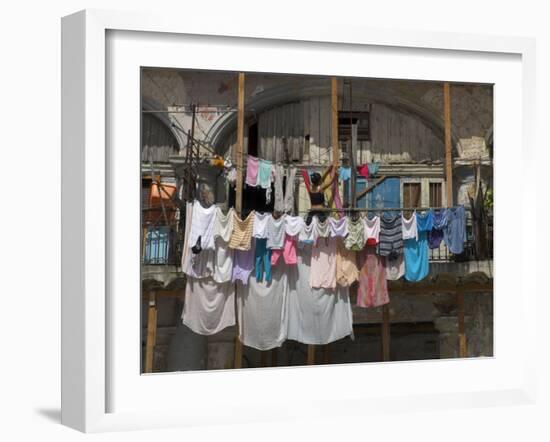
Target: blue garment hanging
{"x":416,"y":252}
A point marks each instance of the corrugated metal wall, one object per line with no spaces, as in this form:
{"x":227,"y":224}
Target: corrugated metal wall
{"x":395,"y":136}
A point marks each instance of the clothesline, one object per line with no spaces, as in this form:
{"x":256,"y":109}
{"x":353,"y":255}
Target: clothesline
{"x":375,"y":209}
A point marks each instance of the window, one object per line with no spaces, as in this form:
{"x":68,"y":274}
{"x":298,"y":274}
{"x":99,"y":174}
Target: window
{"x":435,"y":195}
{"x":346,"y":119}
{"x":411,"y":195}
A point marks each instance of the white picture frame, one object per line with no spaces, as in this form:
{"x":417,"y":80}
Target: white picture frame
{"x":88,"y":229}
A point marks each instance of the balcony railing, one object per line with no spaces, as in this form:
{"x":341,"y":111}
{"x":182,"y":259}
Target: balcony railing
{"x":162,"y":236}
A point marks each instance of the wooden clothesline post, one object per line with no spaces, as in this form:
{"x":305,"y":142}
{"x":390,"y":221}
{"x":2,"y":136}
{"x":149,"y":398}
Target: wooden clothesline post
{"x":462,"y":349}
{"x":238,"y":160}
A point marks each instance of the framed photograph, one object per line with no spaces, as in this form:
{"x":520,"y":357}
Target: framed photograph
{"x":288,"y":223}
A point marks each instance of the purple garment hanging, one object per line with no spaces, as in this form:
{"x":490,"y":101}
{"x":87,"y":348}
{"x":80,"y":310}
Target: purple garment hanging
{"x":243,"y":264}
{"x":435,"y":236}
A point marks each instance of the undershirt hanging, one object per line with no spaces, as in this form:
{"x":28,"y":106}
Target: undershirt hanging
{"x":338,"y":226}
{"x":276,"y":232}
{"x":260,"y":225}
{"x":372,"y":230}
{"x":223,"y":224}
{"x":356,"y":235}
{"x":409,"y":227}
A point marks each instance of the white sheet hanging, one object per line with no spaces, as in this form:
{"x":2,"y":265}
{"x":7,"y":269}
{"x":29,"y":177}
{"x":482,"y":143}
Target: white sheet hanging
{"x":262,"y":310}
{"x":294,"y":225}
{"x":316,"y":316}
{"x":199,"y":265}
{"x":209,"y":307}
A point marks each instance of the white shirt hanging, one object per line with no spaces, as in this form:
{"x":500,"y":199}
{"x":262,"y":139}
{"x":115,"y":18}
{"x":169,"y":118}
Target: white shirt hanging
{"x":260,"y":225}
{"x":409,"y":227}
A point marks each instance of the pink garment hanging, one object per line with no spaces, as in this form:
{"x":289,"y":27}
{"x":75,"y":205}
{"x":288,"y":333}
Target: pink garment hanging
{"x":252,"y":166}
{"x":373,"y":287}
{"x":288,"y":252}
{"x":305,"y":176}
{"x":363,"y":170}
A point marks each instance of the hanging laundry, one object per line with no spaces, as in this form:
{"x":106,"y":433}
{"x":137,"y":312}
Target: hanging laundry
{"x":346,"y":265}
{"x":338,"y":226}
{"x":363,"y":170}
{"x":322,"y":228}
{"x":356,"y":234}
{"x":288,"y":252}
{"x":435,"y":236}
{"x":223,"y":224}
{"x":409,"y":227}
{"x":345,"y":173}
{"x":199,"y":265}
{"x":454,"y":233}
{"x":323,"y":264}
{"x":316,"y":316}
{"x":252,"y":166}
{"x":209,"y":306}
{"x":372,"y":230}
{"x":289,"y":191}
{"x":217,"y":162}
{"x":262,"y":311}
{"x":395,"y":268}
{"x":202,"y":224}
{"x":265,"y":177}
{"x":262,"y":260}
{"x":391,"y":235}
{"x":373,"y":287}
{"x":294,"y":225}
{"x":231,"y":176}
{"x":243,"y":264}
{"x":260,"y":224}
{"x":279,"y":205}
{"x":223,"y":261}
{"x":373,"y":168}
{"x":308,"y":234}
{"x":242,"y":232}
{"x":416,"y":253}
{"x":276,"y":232}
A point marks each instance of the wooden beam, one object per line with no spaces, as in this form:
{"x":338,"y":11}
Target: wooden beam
{"x":462,"y":349}
{"x":448,"y":144}
{"x":385,"y":332}
{"x":368,"y":189}
{"x":334,"y":125}
{"x":237,"y":363}
{"x":311,"y":355}
{"x":151,"y":332}
{"x":238,"y":159}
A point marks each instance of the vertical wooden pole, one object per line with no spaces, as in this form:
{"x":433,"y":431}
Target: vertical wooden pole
{"x":448,"y":144}
{"x":274,"y":361}
{"x":151,"y":332}
{"x":326,"y":354}
{"x":386,"y":332}
{"x":240,"y":146}
{"x":462,"y":349}
{"x":263,"y":359}
{"x":238,"y":160}
{"x":311,"y":355}
{"x":334,"y":120}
